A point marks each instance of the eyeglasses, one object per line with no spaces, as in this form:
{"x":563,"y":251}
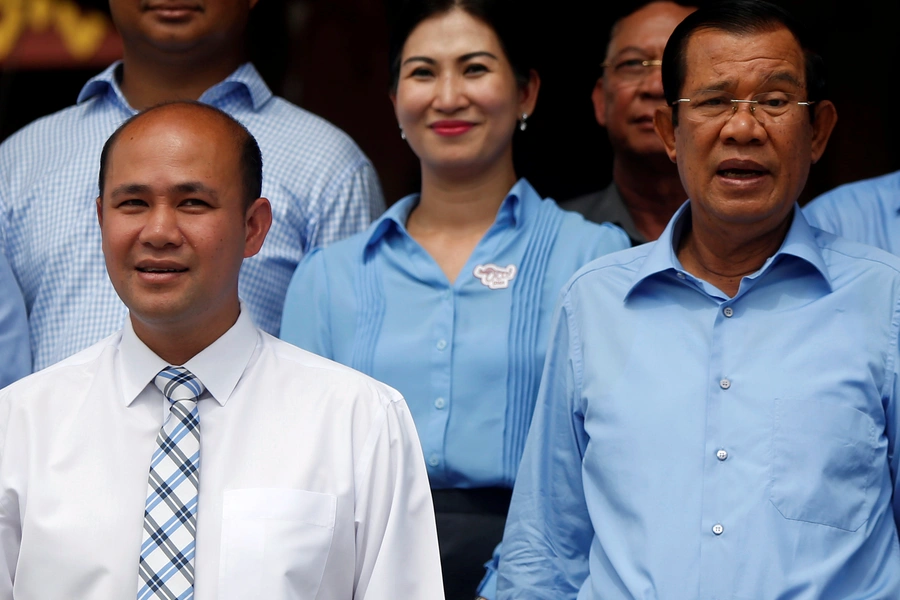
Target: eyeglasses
{"x":768,"y":107}
{"x":632,"y":69}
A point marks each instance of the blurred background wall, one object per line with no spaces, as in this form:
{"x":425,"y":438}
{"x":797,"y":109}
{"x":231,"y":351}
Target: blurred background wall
{"x":330,"y":56}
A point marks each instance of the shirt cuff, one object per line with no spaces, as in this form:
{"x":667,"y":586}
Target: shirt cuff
{"x":488,"y":586}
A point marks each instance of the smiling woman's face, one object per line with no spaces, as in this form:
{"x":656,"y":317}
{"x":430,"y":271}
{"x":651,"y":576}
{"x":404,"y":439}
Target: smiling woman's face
{"x":457,"y":98}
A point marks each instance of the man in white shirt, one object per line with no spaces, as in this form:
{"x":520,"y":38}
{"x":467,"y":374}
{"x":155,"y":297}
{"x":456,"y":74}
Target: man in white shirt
{"x":275,"y":473}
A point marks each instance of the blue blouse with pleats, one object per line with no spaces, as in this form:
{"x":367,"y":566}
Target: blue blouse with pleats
{"x":467,"y":355}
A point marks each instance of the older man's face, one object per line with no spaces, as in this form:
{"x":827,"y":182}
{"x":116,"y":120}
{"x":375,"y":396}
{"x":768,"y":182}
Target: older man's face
{"x":626,"y":97}
{"x":745,"y":167}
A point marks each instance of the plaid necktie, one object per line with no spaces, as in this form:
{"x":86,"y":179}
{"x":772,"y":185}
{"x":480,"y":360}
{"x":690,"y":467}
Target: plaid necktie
{"x":166,"y":569}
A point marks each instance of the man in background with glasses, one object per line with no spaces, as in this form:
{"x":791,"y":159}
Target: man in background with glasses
{"x":645,"y":191}
{"x":718,"y":416}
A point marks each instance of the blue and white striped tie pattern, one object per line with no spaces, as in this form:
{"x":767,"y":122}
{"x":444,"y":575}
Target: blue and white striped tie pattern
{"x":166,"y":568}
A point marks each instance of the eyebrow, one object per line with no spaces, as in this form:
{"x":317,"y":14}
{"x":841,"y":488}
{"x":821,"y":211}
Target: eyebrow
{"x":463,"y":58}
{"x":188,"y":187}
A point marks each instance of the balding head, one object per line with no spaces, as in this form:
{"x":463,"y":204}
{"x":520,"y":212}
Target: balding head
{"x":249,"y":156}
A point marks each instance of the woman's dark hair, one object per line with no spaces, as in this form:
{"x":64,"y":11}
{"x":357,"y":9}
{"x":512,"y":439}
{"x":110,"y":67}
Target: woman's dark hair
{"x":737,"y":17}
{"x":505,"y":17}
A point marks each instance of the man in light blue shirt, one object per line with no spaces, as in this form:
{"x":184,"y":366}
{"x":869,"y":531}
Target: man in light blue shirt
{"x":865,"y":211}
{"x":321,"y":186}
{"x":15,"y":351}
{"x":718,"y":412}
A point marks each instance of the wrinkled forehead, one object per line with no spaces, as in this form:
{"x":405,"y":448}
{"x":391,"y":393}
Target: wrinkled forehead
{"x":733,"y":61}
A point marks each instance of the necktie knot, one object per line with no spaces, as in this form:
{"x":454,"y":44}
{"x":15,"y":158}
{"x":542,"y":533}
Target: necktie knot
{"x":178,"y":384}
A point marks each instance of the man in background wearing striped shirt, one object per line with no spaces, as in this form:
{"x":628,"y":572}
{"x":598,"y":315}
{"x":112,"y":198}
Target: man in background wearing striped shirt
{"x":320,"y":184}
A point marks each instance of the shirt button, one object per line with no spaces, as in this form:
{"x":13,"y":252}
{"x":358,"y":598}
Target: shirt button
{"x":728,"y":311}
{"x":433,"y":460}
{"x":724,"y":384}
{"x":718,"y":529}
{"x":721,"y":454}
{"x":679,"y":275}
{"x":439,"y":403}
{"x":441,"y":344}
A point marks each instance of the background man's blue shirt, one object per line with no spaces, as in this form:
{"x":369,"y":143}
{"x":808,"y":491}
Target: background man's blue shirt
{"x":864,"y":211}
{"x":15,"y":350}
{"x":687,"y":445}
{"x":321,"y":187}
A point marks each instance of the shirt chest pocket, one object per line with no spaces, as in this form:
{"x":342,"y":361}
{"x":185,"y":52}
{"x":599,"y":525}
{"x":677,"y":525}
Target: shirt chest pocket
{"x":275,"y":543}
{"x":823,"y":463}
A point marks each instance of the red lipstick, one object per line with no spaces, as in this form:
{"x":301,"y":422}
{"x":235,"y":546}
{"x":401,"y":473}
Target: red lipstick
{"x":451,"y":127}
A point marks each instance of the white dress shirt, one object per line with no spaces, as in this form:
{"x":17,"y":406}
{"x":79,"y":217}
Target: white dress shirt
{"x":312,"y":481}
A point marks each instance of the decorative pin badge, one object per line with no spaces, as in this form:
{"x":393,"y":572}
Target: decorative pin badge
{"x":494,"y":277}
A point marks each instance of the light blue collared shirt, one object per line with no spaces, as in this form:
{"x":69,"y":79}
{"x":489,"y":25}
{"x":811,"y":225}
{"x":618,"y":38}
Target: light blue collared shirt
{"x":864,"y":211}
{"x":467,"y":356}
{"x":688,"y":445}
{"x":15,"y":350}
{"x":321,"y":187}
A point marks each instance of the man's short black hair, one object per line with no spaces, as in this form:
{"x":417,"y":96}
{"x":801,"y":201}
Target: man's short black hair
{"x":737,"y":17}
{"x":250,"y":155}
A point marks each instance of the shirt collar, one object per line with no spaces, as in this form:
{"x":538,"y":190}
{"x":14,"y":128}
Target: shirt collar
{"x":800,"y":242}
{"x":514,"y":210}
{"x":246,"y":76}
{"x":219,"y":366}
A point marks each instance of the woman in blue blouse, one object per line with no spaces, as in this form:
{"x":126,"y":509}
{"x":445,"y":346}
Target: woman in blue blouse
{"x":448,"y":296}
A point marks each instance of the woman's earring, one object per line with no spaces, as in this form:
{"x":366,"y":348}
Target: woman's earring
{"x":402,"y":134}
{"x":523,"y":122}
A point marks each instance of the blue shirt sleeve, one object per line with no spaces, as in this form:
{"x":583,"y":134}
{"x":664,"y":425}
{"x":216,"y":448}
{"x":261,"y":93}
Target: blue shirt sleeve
{"x":15,"y":347}
{"x":548,"y":530}
{"x":348,"y":208}
{"x":892,"y":414}
{"x":305,"y":319}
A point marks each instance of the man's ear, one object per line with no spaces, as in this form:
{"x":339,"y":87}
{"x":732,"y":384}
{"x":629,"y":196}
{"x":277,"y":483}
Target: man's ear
{"x":257,"y":221}
{"x":665,"y":129}
{"x":100,"y":210}
{"x":822,"y":126}
{"x":598,"y":97}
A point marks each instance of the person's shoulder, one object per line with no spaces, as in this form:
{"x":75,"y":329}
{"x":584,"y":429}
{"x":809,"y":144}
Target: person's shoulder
{"x":843,"y":254}
{"x":609,"y":272}
{"x":342,"y":382}
{"x":46,"y":130}
{"x":576,"y":224}
{"x":57,"y":382}
{"x":856,"y":201}
{"x":866,"y":189}
{"x":280,"y":120}
{"x":343,"y":254}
